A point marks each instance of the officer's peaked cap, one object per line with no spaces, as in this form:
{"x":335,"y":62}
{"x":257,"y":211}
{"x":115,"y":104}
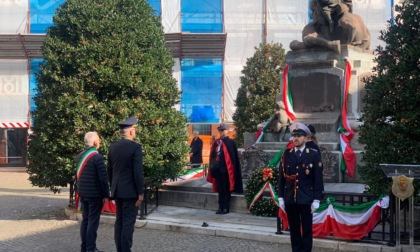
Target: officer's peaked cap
{"x":129,"y":122}
{"x":223,"y":126}
{"x":299,"y":129}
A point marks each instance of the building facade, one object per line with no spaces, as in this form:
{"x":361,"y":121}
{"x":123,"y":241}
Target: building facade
{"x":209,"y":39}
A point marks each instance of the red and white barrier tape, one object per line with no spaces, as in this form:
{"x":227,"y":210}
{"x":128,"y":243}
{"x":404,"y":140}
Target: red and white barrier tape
{"x":11,"y":125}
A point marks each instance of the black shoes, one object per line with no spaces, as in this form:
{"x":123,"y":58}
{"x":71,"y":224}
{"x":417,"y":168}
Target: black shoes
{"x":222,"y":211}
{"x":96,"y":250}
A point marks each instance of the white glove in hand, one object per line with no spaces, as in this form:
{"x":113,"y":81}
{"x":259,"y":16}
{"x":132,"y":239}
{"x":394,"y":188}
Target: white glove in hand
{"x":281,"y":204}
{"x":314,"y":206}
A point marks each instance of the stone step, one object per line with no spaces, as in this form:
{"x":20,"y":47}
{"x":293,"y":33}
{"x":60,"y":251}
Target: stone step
{"x":200,"y":200}
{"x":197,"y":194}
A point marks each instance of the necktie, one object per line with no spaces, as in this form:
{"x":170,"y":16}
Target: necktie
{"x":298,"y":152}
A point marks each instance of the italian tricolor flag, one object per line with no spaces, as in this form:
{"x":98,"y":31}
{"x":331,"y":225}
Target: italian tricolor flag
{"x":348,"y":162}
{"x":287,"y":95}
{"x":261,"y":136}
{"x":190,"y":174}
{"x":345,"y":222}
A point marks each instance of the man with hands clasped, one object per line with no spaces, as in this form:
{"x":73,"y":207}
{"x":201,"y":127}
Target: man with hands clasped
{"x":300,"y":187}
{"x":125,"y":171}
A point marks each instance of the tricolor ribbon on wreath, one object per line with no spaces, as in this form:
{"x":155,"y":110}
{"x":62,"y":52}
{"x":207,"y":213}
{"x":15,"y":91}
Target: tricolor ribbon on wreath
{"x":267,"y":175}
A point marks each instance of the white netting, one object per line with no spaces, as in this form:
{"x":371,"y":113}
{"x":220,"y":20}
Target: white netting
{"x":14,"y":90}
{"x":171,"y":21}
{"x":176,"y":73}
{"x":13,"y":16}
{"x":244,"y":27}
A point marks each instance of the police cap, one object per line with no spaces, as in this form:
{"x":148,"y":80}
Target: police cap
{"x":312,"y":129}
{"x":129,"y":122}
{"x":222,"y":127}
{"x":299,"y":129}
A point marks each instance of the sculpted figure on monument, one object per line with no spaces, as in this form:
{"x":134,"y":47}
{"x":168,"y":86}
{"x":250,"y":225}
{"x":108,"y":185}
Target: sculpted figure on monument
{"x":333,"y":25}
{"x":279,"y":120}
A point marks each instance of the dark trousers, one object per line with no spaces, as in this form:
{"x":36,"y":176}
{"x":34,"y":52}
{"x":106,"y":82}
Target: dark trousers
{"x":300,"y":216}
{"x":124,"y":223}
{"x":223,"y":185}
{"x":88,"y":229}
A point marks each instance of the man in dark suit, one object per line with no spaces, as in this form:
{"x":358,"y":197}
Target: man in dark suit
{"x":92,"y":188}
{"x":300,"y":188}
{"x":125,"y":171}
{"x":196,"y":150}
{"x":225,"y":169}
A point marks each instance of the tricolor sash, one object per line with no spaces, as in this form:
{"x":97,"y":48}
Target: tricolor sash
{"x":80,"y":167}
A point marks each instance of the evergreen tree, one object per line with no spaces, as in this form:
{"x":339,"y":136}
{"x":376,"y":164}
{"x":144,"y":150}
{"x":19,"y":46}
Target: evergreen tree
{"x":105,"y":60}
{"x":260,"y":85}
{"x":391,"y":115}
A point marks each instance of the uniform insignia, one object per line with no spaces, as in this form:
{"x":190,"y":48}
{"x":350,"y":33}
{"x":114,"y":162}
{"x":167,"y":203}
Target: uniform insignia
{"x":307,"y":171}
{"x":307,"y":150}
{"x":320,"y":164}
{"x":402,"y":187}
{"x":310,"y":165}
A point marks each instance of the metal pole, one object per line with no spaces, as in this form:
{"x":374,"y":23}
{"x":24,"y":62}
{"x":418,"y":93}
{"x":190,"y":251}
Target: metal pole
{"x":279,"y":226}
{"x":411,"y":209}
{"x":397,"y":225}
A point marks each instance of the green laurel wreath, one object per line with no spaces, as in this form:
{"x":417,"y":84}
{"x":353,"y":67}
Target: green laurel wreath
{"x":264,"y":206}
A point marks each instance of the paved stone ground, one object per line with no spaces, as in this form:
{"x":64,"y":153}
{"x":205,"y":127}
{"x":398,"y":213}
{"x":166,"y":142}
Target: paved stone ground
{"x":33,"y":219}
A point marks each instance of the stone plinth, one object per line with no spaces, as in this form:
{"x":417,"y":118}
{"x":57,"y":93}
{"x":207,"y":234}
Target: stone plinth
{"x":316,"y":81}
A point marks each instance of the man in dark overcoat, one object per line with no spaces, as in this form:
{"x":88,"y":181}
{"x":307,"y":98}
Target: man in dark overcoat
{"x":300,"y":188}
{"x":225,"y":169}
{"x":125,"y":171}
{"x":196,"y":150}
{"x":92,"y":188}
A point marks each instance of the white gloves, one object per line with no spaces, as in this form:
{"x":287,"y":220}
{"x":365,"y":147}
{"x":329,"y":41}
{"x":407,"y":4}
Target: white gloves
{"x":281,"y":204}
{"x":314,"y":206}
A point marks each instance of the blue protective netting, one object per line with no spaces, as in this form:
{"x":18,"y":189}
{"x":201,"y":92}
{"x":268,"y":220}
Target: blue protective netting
{"x":42,"y":12}
{"x":201,"y":84}
{"x":204,"y":16}
{"x":156,"y":6}
{"x":33,"y":84}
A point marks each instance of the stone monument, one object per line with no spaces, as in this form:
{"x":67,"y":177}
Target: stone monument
{"x":316,"y":80}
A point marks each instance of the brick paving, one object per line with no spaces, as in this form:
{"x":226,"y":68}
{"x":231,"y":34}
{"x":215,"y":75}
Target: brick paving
{"x":33,"y":219}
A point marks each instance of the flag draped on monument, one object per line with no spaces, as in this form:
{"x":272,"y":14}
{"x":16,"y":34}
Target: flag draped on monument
{"x":348,"y":162}
{"x":345,"y":222}
{"x":287,"y":95}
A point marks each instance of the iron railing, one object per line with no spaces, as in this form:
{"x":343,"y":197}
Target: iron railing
{"x":385,"y":231}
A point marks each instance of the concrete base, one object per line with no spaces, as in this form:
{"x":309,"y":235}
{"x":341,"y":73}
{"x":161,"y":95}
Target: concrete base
{"x":197,"y":194}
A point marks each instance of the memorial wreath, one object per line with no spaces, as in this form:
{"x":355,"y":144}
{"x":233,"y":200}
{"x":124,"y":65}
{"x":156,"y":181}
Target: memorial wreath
{"x":261,"y":180}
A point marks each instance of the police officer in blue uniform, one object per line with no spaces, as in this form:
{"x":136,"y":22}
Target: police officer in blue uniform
{"x":300,"y":187}
{"x":125,"y":171}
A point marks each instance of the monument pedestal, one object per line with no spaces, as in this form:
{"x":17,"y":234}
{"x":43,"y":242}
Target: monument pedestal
{"x":316,"y":82}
